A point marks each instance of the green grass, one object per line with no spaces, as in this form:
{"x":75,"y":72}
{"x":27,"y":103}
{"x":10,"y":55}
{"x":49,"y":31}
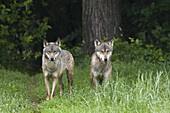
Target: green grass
{"x":14,"y":96}
{"x":134,"y":87}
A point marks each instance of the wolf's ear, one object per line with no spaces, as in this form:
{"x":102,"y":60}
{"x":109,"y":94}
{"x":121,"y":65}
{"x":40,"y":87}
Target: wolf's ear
{"x":96,"y":42}
{"x":110,"y":42}
{"x":45,"y":43}
{"x":58,"y":42}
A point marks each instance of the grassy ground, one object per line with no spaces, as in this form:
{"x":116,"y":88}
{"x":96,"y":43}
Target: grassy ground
{"x":134,"y":87}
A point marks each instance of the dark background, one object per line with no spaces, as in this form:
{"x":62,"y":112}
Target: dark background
{"x":25,"y":24}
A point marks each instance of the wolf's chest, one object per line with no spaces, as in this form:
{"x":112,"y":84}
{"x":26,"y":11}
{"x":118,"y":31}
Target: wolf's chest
{"x":52,"y":65}
{"x":100,"y":70}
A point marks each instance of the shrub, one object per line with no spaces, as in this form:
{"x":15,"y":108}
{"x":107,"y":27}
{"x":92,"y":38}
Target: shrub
{"x":136,"y":50}
{"x":21,"y":34}
{"x":147,"y":21}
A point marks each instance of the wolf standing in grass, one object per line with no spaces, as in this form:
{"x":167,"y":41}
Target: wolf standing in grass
{"x":101,"y":67}
{"x":54,"y":62}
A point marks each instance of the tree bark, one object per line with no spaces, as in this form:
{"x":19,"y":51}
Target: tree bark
{"x":100,"y":18}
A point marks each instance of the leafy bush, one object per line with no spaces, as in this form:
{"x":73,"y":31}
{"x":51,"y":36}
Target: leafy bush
{"x":21,"y":34}
{"x":136,"y":50}
{"x":148,"y":21}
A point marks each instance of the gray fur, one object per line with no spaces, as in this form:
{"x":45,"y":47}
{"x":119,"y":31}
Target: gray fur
{"x":61,"y":60}
{"x":101,"y":66}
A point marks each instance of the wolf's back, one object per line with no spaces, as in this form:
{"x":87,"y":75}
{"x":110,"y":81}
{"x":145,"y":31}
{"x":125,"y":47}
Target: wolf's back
{"x":67,"y":58}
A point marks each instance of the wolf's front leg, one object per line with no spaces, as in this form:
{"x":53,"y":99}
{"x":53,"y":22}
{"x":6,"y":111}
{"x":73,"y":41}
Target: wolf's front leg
{"x":93,"y":79}
{"x":95,"y":82}
{"x":47,"y":83}
{"x":55,"y":82}
{"x":108,"y":75}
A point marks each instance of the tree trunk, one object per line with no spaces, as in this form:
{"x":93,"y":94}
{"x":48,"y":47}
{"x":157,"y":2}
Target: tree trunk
{"x":100,"y":18}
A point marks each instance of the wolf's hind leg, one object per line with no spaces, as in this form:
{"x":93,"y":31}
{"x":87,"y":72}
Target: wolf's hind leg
{"x":70,"y":79}
{"x":91,"y":78}
{"x":61,"y":85}
{"x":100,"y":81}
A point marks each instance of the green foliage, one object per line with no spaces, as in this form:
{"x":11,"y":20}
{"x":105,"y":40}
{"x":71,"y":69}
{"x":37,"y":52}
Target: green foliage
{"x":137,"y":51}
{"x":148,"y":21}
{"x":21,"y":33}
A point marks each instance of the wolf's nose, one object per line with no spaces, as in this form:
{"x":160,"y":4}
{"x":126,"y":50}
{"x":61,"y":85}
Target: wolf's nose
{"x":105,"y":59}
{"x":52,"y":59}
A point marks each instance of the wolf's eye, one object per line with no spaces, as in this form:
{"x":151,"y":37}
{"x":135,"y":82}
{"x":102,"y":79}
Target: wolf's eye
{"x":48,"y":52}
{"x":107,"y":51}
{"x":55,"y":51}
{"x":102,"y":51}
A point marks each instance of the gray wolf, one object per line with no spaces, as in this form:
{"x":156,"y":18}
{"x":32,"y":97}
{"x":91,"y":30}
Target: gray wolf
{"x":54,"y":62}
{"x":101,"y":67}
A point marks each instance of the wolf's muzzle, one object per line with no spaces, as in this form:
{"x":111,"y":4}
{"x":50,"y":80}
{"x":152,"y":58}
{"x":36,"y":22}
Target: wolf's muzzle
{"x":52,"y":59}
{"x":105,"y":59}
